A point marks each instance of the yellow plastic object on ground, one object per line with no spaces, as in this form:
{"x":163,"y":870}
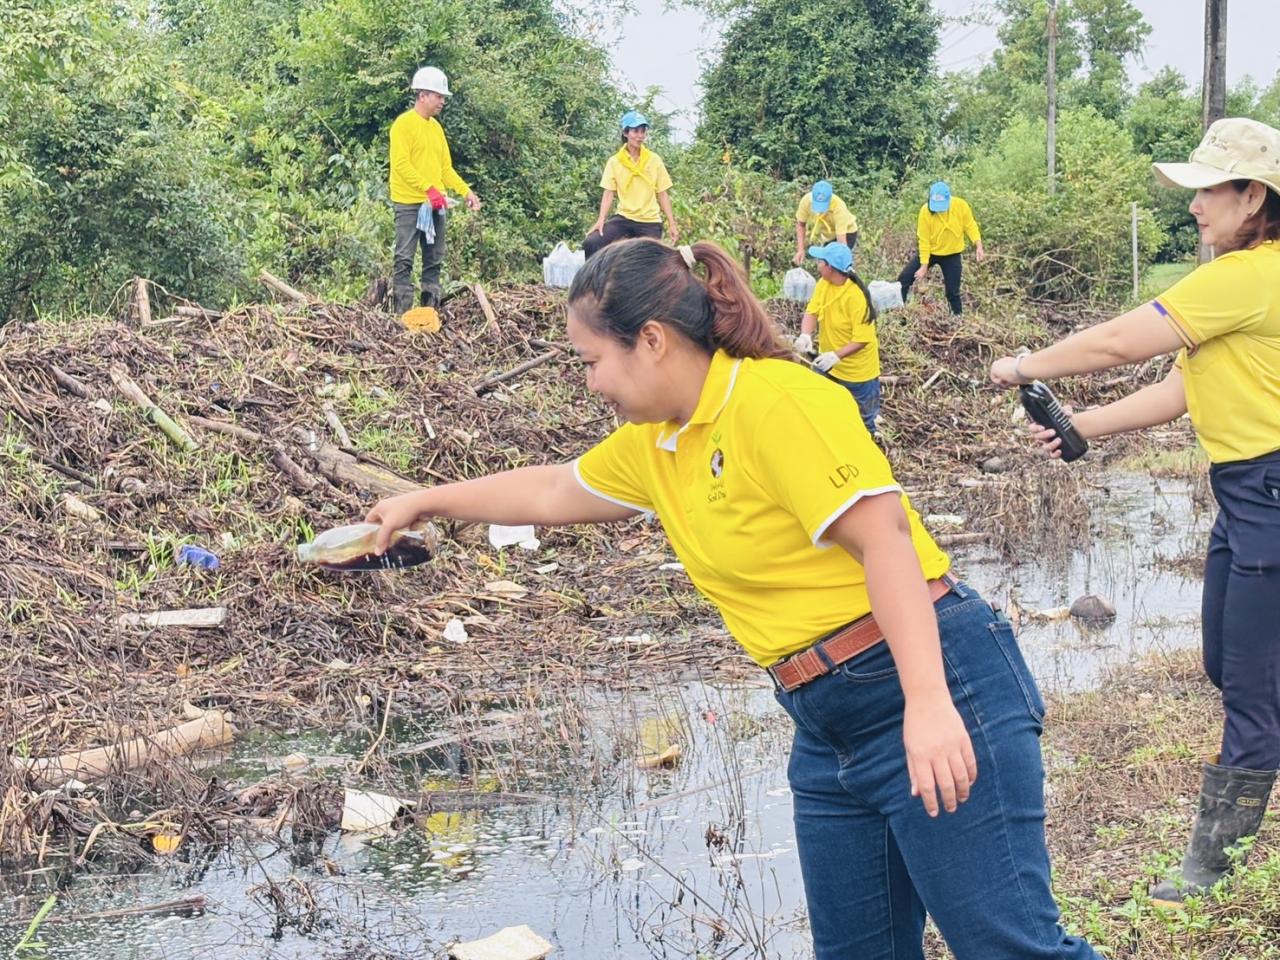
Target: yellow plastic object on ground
{"x":421,"y":318}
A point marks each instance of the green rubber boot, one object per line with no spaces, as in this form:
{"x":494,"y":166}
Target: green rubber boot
{"x":1232,"y":803}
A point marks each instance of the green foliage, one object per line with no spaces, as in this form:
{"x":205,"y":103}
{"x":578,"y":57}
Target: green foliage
{"x":1094,"y":39}
{"x":196,"y":141}
{"x":801,"y":93}
{"x":104,"y":174}
{"x":1075,"y":244}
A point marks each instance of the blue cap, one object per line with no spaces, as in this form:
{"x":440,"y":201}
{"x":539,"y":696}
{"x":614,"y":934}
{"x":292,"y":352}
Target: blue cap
{"x":821,"y":196}
{"x":836,"y":255}
{"x":939,"y":197}
{"x":633,"y":118}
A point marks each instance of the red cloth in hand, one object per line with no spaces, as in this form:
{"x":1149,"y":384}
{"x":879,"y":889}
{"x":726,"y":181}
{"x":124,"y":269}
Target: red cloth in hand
{"x":438,"y":202}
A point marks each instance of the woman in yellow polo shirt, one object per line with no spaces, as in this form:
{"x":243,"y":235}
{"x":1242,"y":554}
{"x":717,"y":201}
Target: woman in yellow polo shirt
{"x":1224,"y":321}
{"x":793,"y":525}
{"x":639,"y":179}
{"x":849,"y":351}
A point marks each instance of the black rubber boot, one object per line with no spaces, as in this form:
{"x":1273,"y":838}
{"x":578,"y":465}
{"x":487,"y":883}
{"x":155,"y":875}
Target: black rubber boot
{"x":429,"y":297}
{"x":1232,"y":803}
{"x":401,"y":300}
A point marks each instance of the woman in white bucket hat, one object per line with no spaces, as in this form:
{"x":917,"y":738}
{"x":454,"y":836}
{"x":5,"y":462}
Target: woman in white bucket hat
{"x":1223,"y":320}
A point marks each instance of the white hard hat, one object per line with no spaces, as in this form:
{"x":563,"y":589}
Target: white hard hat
{"x":431,"y":78}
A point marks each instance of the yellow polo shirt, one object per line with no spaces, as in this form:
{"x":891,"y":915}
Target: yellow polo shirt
{"x":637,"y":184}
{"x":844,"y":316}
{"x":420,"y":159}
{"x":823,"y":227}
{"x":746,"y":490}
{"x":1227,"y":311}
{"x":940,"y":234}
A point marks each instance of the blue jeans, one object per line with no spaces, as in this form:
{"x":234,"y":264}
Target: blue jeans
{"x":1241,"y":609}
{"x":867,"y":394}
{"x":873,"y":861}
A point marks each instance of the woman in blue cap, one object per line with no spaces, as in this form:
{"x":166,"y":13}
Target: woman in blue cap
{"x":639,"y":179}
{"x":941,"y":228}
{"x":849,"y":349}
{"x":822,"y":217}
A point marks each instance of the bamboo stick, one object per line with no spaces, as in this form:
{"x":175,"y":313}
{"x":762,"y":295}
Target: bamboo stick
{"x":167,"y":424}
{"x":282,"y":288}
{"x":491,"y":382}
{"x":211,"y":730}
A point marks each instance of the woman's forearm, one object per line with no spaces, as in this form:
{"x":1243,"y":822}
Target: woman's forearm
{"x":543,"y":495}
{"x":900,"y":602}
{"x":1156,"y":404}
{"x":1133,"y":337}
{"x":606,"y":202}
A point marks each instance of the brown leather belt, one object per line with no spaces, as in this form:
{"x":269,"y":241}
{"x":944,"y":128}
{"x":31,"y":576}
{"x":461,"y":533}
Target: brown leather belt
{"x":845,"y":644}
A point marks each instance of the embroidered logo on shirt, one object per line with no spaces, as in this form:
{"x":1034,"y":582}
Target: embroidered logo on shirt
{"x":842,"y":475}
{"x":717,"y":462}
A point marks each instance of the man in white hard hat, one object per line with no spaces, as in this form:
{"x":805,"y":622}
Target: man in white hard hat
{"x":421,"y":171}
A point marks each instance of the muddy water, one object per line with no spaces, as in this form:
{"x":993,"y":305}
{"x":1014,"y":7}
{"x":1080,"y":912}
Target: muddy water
{"x":619,"y":862}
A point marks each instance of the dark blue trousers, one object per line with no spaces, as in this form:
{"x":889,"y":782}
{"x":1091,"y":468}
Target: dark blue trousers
{"x":1241,"y":609}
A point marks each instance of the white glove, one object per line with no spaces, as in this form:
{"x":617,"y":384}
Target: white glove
{"x":803,"y":343}
{"x":825,"y":361}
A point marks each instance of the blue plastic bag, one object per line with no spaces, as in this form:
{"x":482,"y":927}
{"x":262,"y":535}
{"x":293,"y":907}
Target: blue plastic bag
{"x":197,"y":557}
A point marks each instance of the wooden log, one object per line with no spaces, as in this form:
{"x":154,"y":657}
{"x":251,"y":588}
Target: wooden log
{"x":342,"y":467}
{"x":290,"y":468}
{"x":959,"y":539}
{"x":182,"y":907}
{"x":331,"y":418}
{"x":282,"y":288}
{"x":199,"y":617}
{"x":491,"y":382}
{"x":124,"y":383}
{"x":489,"y":316}
{"x":210,"y":730}
{"x":141,"y":301}
{"x":197,"y":311}
{"x":71,"y":384}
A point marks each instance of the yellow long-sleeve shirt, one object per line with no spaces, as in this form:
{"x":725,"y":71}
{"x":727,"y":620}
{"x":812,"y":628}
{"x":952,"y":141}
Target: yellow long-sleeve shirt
{"x":939,"y":234}
{"x":420,"y":159}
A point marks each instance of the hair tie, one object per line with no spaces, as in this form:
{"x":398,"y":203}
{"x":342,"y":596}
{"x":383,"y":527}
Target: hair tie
{"x":686,"y":251}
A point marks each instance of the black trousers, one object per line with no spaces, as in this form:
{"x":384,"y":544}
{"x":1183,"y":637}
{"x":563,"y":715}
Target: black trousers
{"x":619,"y":228}
{"x":950,"y":264}
{"x":1241,"y":609}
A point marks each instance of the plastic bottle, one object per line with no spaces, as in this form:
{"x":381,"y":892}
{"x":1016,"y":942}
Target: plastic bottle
{"x":1043,"y":407}
{"x":798,"y":284}
{"x":560,"y":266}
{"x":351,"y":548}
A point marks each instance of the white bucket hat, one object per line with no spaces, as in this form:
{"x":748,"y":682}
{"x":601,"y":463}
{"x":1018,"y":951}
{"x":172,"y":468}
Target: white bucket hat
{"x":1233,"y":148}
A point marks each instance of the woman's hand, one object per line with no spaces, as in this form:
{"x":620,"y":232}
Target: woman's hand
{"x":673,"y":232}
{"x":940,"y":756}
{"x":396,"y":513}
{"x":597,"y":227}
{"x":1005,"y":372}
{"x":1048,"y":437}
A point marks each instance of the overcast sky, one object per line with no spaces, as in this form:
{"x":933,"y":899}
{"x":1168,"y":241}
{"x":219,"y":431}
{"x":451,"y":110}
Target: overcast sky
{"x":666,"y":49}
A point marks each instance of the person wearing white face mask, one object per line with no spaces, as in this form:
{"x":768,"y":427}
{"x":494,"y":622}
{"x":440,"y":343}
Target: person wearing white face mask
{"x":1223,"y":320}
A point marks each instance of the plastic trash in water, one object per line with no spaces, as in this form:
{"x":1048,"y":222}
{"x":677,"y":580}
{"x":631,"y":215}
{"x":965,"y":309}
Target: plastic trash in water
{"x":559,"y":267}
{"x":885,"y":295}
{"x":189,"y":555}
{"x":798,"y":284}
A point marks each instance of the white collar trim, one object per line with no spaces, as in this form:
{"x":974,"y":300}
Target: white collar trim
{"x":667,"y":441}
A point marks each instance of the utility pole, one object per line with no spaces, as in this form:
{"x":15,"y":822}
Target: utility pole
{"x":1214,"y":88}
{"x":1051,"y":85}
{"x":1215,"y":61}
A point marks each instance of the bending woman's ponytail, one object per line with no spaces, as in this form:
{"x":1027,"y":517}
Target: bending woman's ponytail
{"x":635,"y":281}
